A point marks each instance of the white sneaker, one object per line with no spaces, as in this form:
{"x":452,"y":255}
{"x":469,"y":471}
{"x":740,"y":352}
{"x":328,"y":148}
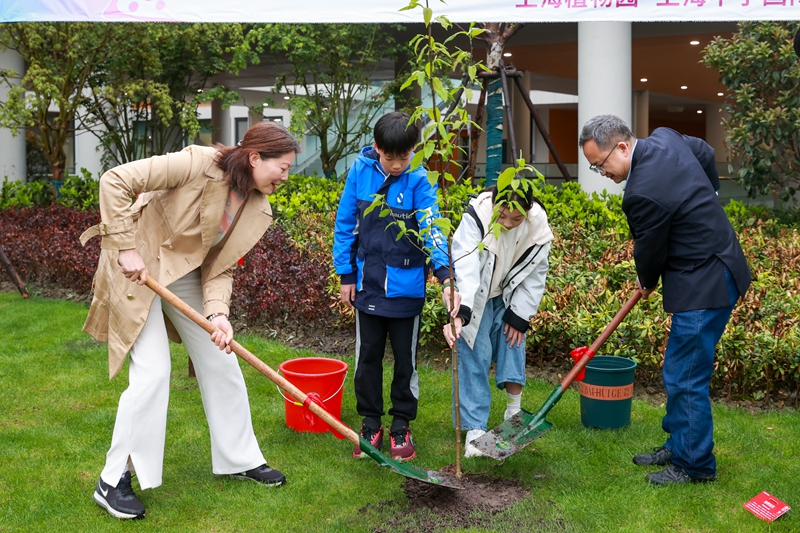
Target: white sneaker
{"x":510,"y":411}
{"x":469,"y":449}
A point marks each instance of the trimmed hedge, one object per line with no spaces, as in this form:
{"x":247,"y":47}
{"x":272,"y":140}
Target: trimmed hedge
{"x":278,"y":281}
{"x":289,"y":276}
{"x":43,"y":245}
{"x":592,"y":273}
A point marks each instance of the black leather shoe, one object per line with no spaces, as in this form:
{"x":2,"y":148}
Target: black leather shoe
{"x":675,"y":475}
{"x":660,"y":457}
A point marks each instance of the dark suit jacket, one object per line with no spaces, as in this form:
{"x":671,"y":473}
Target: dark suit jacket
{"x":797,"y":43}
{"x":682,"y":235}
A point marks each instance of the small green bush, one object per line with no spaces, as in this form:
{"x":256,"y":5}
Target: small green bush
{"x":80,"y":192}
{"x":77,"y":192}
{"x":21,"y":195}
{"x":458,"y":197}
{"x":304,"y":194}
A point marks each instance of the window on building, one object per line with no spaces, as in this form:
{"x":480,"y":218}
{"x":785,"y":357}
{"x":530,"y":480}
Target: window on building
{"x":38,"y":168}
{"x":240,"y":128}
{"x":241,"y":125}
{"x":144,"y":146}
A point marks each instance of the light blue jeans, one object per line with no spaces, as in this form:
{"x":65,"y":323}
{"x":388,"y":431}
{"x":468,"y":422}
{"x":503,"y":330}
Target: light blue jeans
{"x":475,"y":395}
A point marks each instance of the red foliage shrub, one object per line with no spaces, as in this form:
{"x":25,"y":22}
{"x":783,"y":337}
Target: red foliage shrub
{"x":42,"y":245}
{"x":280,"y":280}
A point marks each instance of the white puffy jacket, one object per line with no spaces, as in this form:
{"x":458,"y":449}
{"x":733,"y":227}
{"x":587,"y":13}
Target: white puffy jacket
{"x":523,"y":285}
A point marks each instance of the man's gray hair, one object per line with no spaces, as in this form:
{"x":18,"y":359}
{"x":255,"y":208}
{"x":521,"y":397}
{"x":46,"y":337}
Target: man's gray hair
{"x":606,"y":131}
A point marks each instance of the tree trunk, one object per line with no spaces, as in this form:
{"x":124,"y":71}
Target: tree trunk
{"x":498,"y":34}
{"x":494,"y":117}
{"x":328,"y":166}
{"x":59,"y":170}
{"x":12,"y":273}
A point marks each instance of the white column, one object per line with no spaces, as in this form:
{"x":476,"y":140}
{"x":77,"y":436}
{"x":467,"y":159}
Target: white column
{"x":254,"y":118}
{"x":88,"y":152}
{"x":222,"y":124}
{"x":226,"y":127}
{"x":641,"y":114}
{"x":216,"y":122}
{"x":604,"y":85}
{"x":12,"y":149}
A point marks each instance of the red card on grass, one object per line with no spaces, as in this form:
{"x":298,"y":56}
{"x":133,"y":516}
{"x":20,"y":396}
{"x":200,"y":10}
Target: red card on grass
{"x":766,"y":507}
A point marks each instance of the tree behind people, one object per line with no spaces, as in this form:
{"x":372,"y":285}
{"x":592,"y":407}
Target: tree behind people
{"x":136,"y":87}
{"x":495,"y":35}
{"x":329,"y":79}
{"x":760,"y":69}
{"x":143,"y":98}
{"x":59,"y":59}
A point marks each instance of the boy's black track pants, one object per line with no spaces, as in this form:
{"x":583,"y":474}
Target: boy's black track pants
{"x":371,"y":332}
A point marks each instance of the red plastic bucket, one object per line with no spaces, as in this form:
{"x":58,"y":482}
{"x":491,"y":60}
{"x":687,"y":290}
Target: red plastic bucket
{"x":314,"y":375}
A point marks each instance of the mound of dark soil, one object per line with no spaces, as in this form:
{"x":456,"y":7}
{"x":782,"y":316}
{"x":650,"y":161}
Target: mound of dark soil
{"x":479,"y":493}
{"x":434,"y":508}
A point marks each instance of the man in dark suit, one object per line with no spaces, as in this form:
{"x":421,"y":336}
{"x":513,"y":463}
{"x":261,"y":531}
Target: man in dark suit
{"x":796,"y":43}
{"x":682,"y":237}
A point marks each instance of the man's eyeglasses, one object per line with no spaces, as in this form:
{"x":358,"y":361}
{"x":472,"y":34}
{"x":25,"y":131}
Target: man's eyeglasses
{"x":599,"y":168}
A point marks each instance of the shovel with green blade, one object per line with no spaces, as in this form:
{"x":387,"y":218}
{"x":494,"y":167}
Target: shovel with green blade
{"x":525,"y":427}
{"x":404,"y":469}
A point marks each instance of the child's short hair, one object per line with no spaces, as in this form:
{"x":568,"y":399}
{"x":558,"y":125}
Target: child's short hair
{"x":523,"y":196}
{"x":394,"y":135}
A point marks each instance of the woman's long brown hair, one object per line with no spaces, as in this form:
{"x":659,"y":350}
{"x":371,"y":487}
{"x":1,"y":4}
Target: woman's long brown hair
{"x":268,"y":138}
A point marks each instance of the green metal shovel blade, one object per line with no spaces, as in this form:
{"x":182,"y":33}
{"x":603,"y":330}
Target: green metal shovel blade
{"x":518,"y":431}
{"x":512,"y":435}
{"x":409,"y":471}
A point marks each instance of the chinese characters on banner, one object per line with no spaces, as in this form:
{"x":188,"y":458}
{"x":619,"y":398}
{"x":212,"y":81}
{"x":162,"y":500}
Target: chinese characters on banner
{"x":461,"y":11}
{"x":599,"y":4}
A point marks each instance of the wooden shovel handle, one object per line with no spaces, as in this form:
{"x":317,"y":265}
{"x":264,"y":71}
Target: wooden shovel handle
{"x":254,"y":361}
{"x":616,"y":321}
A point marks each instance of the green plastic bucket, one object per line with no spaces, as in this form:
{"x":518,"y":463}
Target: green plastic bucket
{"x":607,"y":392}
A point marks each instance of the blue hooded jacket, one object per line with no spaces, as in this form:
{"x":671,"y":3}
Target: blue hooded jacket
{"x":389,"y":274}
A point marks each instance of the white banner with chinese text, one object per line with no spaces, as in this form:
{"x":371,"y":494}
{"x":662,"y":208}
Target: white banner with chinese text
{"x":389,"y":10}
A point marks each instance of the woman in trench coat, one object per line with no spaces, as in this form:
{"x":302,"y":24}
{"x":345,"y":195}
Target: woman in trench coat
{"x":196,"y":213}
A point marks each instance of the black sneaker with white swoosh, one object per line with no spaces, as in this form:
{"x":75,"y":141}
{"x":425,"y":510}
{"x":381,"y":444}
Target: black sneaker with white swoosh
{"x":119,"y":501}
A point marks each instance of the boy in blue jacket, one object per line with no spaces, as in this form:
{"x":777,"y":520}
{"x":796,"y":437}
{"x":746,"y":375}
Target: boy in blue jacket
{"x":384,"y":277}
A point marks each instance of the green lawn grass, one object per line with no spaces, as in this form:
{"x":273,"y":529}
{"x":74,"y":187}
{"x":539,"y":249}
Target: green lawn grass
{"x":57,"y":411}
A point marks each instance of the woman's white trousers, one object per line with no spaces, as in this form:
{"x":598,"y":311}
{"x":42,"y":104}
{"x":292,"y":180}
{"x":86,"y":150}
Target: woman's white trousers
{"x":141,"y":423}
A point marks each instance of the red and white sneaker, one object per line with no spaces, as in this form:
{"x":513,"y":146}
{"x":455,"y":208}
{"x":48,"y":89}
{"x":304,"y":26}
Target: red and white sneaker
{"x":402,"y":447}
{"x":374,"y":437}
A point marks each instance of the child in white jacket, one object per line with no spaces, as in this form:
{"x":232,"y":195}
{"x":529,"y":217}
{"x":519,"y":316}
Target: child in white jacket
{"x":501,"y":287}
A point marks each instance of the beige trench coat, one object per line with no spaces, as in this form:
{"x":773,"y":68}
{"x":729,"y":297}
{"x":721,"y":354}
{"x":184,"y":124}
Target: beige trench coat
{"x":181,"y":198}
